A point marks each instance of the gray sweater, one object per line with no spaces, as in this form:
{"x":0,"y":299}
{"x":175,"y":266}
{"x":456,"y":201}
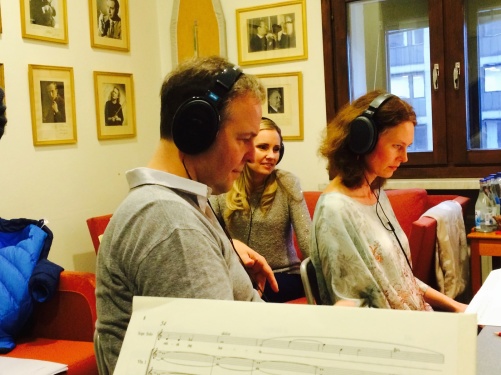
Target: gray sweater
{"x":271,"y":234}
{"x":162,"y":241}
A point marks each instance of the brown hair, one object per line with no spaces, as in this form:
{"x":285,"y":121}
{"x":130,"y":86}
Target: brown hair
{"x":334,"y":147}
{"x":192,"y":78}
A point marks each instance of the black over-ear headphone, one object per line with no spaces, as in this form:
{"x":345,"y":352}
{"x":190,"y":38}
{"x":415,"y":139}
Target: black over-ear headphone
{"x":363,"y":130}
{"x":282,"y":146}
{"x":281,"y":154}
{"x":196,"y":122}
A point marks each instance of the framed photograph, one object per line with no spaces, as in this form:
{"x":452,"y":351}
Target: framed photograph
{"x":109,"y":24}
{"x":44,"y":20}
{"x":272,"y":33}
{"x":115,"y":110}
{"x":52,"y":96}
{"x":284,"y":102}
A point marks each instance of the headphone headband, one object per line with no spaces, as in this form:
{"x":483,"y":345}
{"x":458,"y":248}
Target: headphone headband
{"x":378,"y":102}
{"x":222,"y":83}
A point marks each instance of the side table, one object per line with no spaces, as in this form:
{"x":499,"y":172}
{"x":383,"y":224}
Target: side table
{"x":482,"y":244}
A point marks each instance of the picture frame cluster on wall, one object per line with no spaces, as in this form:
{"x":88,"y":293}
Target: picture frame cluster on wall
{"x":48,"y":21}
{"x":275,"y":33}
{"x":52,"y":90}
{"x":52,"y":98}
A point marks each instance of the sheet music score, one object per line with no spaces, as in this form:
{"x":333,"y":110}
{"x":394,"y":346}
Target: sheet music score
{"x":487,"y":302}
{"x":189,"y":336}
{"x":23,"y":366}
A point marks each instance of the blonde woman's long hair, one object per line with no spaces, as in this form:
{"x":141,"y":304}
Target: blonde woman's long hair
{"x":237,"y":199}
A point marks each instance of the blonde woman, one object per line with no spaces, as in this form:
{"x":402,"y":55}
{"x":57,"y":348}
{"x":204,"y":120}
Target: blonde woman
{"x":264,"y":208}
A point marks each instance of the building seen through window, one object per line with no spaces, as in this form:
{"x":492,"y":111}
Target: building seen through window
{"x":390,"y":48}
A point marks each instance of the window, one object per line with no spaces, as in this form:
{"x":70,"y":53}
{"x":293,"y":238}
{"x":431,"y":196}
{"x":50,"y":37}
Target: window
{"x":418,"y":49}
{"x":492,"y":78}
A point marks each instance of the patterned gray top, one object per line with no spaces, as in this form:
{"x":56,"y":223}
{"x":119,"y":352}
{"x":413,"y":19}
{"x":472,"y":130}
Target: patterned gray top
{"x":358,"y":258}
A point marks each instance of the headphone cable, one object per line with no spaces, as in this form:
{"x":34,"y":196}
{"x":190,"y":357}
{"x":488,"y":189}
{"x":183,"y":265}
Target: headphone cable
{"x":255,"y":208}
{"x":225,"y":230}
{"x":388,"y":222}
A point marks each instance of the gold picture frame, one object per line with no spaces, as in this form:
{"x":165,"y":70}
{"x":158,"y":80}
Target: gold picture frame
{"x":109,"y":32}
{"x":115,"y":108}
{"x":52,"y":97}
{"x":272,"y":33}
{"x":47,"y":22}
{"x":288,"y":115}
{"x":2,"y":78}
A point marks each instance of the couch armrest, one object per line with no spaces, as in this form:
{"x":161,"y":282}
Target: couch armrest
{"x":311,"y":198}
{"x":71,"y":313}
{"x":463,"y":201}
{"x":423,"y":240}
{"x":434,"y":199}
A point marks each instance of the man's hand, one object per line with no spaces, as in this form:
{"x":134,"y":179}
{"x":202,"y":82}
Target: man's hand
{"x":256,"y":266}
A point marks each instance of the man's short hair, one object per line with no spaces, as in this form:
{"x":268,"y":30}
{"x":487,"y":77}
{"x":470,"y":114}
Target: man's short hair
{"x":193,"y":78}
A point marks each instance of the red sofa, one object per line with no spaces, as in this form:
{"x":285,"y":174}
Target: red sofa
{"x":97,"y":225}
{"x":409,"y":205}
{"x":63,"y":327}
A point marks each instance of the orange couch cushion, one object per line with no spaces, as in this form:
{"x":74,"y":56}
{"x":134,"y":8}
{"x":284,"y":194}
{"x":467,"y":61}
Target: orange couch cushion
{"x":408,"y":205}
{"x":76,"y":298}
{"x":78,"y":355}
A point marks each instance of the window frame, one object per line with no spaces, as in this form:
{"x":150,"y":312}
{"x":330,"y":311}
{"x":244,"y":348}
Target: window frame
{"x":450,"y":157}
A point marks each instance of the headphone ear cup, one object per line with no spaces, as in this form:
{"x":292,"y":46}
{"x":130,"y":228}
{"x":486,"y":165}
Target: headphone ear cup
{"x":363,"y":135}
{"x":195,"y":126}
{"x":282,"y":151}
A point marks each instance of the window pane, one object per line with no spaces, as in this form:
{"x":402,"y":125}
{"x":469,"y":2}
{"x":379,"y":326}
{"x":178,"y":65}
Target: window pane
{"x":484,"y":56}
{"x":389,"y":49}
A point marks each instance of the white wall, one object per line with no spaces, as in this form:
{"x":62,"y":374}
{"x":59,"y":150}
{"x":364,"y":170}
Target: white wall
{"x":300,"y":156}
{"x":69,"y":183}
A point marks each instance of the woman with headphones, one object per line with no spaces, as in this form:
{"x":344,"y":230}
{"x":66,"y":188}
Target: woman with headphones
{"x":359,"y":250}
{"x":263,"y":207}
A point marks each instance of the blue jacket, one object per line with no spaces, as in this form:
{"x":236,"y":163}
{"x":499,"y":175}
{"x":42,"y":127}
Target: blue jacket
{"x":25,"y":274}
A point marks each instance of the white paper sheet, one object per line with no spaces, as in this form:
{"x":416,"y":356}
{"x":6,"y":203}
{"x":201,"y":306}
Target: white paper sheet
{"x":487,"y":302}
{"x":21,"y":366}
{"x":188,"y":336}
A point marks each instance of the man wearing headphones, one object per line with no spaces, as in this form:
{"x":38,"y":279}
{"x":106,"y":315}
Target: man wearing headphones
{"x":164,"y":239}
